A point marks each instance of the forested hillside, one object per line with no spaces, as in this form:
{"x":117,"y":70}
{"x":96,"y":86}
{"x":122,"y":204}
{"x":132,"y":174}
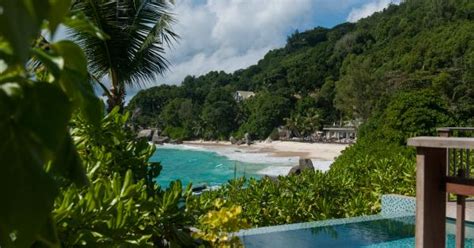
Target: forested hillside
{"x":402,"y":71}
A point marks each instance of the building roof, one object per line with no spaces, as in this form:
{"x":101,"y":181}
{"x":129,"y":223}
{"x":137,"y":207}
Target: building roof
{"x":351,"y":129}
{"x":245,"y":94}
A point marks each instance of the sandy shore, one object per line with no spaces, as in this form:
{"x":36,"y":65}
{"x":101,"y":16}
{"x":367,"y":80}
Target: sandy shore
{"x":280,"y":156}
{"x":314,"y":151}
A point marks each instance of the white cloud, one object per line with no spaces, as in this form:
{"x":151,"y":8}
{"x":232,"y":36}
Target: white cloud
{"x":369,"y":8}
{"x":230,"y":34}
{"x":234,"y":34}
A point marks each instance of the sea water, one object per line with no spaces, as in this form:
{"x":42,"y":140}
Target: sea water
{"x":199,"y":166}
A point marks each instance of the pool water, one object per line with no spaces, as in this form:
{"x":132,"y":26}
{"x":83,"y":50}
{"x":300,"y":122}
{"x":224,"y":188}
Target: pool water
{"x":200,"y":167}
{"x":392,"y":232}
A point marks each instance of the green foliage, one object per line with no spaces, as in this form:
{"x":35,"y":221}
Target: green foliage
{"x":305,"y":124}
{"x":216,"y":226}
{"x":50,"y":198}
{"x":149,"y":104}
{"x":116,"y":211}
{"x":137,"y":34}
{"x":122,"y":205}
{"x":274,"y":135}
{"x":352,"y":187}
{"x":36,"y":105}
{"x":266,"y":112}
{"x":177,"y":133}
{"x":219,"y":114}
{"x":359,"y":89}
{"x":178,"y":118}
{"x":112,"y":147}
{"x":409,"y":114}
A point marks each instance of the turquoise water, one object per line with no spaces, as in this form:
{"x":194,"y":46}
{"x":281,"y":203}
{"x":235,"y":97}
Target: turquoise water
{"x":200,"y":167}
{"x":384,"y":233}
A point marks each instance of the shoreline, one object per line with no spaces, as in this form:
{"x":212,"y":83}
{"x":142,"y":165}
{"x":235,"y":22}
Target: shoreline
{"x":313,"y":151}
{"x":279,"y":155}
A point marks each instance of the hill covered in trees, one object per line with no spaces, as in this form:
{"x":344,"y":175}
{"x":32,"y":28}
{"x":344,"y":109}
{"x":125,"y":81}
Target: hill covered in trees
{"x":402,"y":71}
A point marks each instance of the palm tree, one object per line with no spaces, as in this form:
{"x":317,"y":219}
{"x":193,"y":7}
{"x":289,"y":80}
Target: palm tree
{"x":133,"y":53}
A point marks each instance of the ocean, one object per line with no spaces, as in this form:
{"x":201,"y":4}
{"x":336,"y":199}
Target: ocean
{"x":215,"y":166}
{"x":201,"y":166}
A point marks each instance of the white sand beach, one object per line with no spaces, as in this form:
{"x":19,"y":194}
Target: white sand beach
{"x":281,"y":154}
{"x":314,"y":151}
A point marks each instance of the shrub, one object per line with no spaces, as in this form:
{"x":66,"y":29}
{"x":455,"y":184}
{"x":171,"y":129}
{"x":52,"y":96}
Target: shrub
{"x":217,"y":224}
{"x":275,"y":135}
{"x":178,"y":133}
{"x":351,"y":187}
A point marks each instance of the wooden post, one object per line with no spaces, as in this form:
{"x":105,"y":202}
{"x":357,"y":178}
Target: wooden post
{"x":444,"y":131}
{"x":460,"y":219}
{"x":430,"y":197}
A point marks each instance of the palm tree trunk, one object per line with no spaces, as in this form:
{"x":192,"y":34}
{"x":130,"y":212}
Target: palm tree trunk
{"x":117,"y":93}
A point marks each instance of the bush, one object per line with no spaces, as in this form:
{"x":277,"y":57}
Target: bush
{"x":112,"y":147}
{"x":216,"y":226}
{"x":122,"y":205}
{"x":177,"y":133}
{"x":352,"y":187}
{"x":408,"y":114}
{"x":275,"y":135}
{"x":116,"y":211}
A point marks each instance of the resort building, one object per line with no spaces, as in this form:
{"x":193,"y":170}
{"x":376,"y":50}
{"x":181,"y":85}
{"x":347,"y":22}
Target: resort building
{"x":336,"y":133}
{"x":243,"y":95}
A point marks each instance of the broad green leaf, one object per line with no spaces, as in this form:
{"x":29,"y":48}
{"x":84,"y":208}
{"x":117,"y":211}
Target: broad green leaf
{"x":20,"y":23}
{"x":126,"y":182}
{"x":46,"y":112}
{"x":35,"y":123}
{"x":29,"y":191}
{"x":68,"y":163}
{"x":6,"y":54}
{"x":73,"y":56}
{"x":48,"y":235}
{"x":54,"y":63}
{"x":75,"y":81}
{"x":59,"y":8}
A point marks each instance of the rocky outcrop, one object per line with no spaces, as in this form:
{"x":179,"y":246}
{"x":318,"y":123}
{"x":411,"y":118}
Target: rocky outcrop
{"x":284,"y":133}
{"x":304,"y":164}
{"x":232,"y":140}
{"x":247,"y":139}
{"x":176,"y":141}
{"x":146,"y":133}
{"x":159,"y":140}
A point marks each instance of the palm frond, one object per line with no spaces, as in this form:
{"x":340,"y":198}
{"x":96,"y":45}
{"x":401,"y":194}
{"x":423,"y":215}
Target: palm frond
{"x":139,"y":30}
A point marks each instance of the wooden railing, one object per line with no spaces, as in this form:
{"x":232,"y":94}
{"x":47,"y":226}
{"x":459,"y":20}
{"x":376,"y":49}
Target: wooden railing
{"x":443,"y":166}
{"x":455,"y":131}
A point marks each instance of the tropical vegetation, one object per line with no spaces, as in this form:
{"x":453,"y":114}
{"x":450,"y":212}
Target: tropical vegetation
{"x":36,"y":107}
{"x":73,"y":176}
{"x":330,"y":75}
{"x":137,"y":33}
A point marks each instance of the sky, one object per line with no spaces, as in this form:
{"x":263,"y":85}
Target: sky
{"x":234,"y":34}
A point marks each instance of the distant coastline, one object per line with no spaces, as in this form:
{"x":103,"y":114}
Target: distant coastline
{"x":314,"y":151}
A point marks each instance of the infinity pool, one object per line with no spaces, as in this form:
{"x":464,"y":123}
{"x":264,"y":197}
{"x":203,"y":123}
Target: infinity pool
{"x":375,"y":232}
